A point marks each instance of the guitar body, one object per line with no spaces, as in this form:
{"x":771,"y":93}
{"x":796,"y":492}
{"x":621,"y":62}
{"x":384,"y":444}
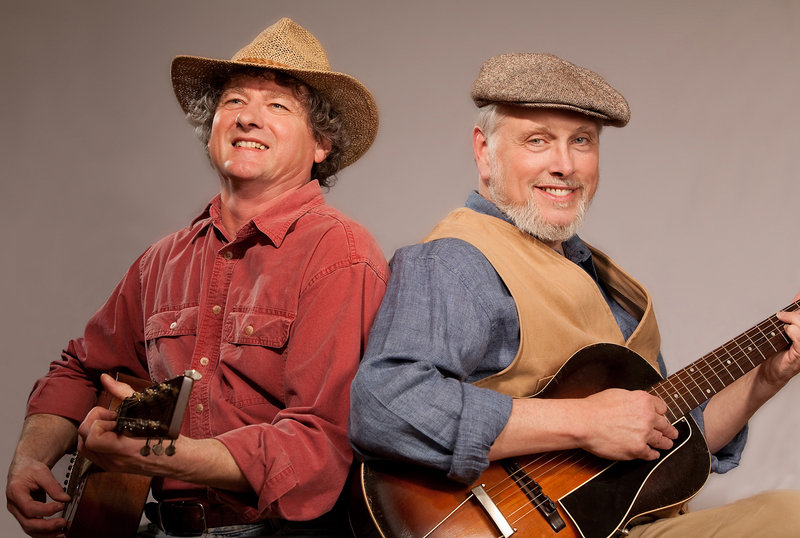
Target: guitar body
{"x":593,"y":497}
{"x":110,"y":503}
{"x":104,"y":503}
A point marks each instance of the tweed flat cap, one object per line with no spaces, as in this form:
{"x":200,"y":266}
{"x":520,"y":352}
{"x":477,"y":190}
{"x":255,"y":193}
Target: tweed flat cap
{"x":547,"y":81}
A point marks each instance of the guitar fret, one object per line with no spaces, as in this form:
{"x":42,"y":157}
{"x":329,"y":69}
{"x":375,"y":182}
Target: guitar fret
{"x":754,"y":346}
{"x":724,"y":363}
{"x":778,"y":332}
{"x":697,"y":390}
{"x":691,"y":392}
{"x":708,"y":391}
{"x":716,"y":371}
{"x":669,"y":393}
{"x":699,"y":381}
{"x":768,"y":337}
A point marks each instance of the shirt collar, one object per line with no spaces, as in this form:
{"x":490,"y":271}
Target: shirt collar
{"x":575,"y":249}
{"x":276,"y":220}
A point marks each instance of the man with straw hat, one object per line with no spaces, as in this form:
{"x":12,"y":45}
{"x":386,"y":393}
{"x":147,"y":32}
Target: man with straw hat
{"x":268,"y":294}
{"x":480,"y":317}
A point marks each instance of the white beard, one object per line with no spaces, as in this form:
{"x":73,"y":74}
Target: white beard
{"x":527,"y":216}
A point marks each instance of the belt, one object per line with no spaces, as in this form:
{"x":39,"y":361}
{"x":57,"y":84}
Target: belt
{"x":190,"y":518}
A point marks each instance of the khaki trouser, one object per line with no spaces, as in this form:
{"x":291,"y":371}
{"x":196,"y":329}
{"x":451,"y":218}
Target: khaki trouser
{"x":773,"y":514}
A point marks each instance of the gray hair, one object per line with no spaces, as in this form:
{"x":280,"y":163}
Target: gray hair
{"x":325,"y":122}
{"x":489,"y":118}
{"x":492,"y":115}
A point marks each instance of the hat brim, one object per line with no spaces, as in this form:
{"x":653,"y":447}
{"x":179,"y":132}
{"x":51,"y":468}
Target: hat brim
{"x":605,"y":119}
{"x":192,"y":75}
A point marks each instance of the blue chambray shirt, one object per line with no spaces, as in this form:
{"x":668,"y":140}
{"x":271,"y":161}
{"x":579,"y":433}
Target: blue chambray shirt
{"x":446,"y":321}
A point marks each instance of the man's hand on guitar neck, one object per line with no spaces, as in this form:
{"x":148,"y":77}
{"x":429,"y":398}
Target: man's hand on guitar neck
{"x":200,"y":461}
{"x":115,"y":388}
{"x":99,"y":442}
{"x":779,"y":369}
{"x":730,"y":409}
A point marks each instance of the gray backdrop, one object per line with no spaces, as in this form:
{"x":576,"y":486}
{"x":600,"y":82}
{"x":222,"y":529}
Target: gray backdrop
{"x":698,"y":198}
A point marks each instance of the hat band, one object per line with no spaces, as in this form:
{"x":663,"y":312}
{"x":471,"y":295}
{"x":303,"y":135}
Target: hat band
{"x":263,"y":61}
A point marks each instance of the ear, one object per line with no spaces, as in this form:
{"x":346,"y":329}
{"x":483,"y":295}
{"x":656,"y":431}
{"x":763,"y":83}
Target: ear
{"x":324,"y":147}
{"x":480,"y":147}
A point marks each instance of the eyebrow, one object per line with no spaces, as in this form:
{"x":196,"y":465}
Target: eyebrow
{"x":269,"y":93}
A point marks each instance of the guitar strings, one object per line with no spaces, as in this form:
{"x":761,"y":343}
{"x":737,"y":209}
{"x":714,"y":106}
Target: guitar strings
{"x":579,"y":461}
{"x":709,"y":366}
{"x":718,"y":363}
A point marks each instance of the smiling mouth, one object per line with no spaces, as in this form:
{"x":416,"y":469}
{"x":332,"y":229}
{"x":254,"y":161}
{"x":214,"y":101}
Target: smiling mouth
{"x":249,"y":144}
{"x":556,"y":191}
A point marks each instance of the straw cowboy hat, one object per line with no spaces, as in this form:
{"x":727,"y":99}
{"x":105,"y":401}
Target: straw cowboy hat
{"x":289,"y":48}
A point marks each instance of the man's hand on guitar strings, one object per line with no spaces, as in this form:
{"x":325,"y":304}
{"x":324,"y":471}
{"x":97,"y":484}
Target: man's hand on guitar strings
{"x":625,"y":425}
{"x":28,"y":481}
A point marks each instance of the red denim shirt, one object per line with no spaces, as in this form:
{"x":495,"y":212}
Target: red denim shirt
{"x":275,"y":320}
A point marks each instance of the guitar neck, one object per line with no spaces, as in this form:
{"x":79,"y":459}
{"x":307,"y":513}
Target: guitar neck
{"x":696,"y":383}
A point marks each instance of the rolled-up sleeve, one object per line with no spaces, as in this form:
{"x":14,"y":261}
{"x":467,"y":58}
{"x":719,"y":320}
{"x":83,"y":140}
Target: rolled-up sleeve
{"x":729,"y":456}
{"x":436,"y":332}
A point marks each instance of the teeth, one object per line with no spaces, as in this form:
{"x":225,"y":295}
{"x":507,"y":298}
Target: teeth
{"x":248,"y":144}
{"x":556,"y":192}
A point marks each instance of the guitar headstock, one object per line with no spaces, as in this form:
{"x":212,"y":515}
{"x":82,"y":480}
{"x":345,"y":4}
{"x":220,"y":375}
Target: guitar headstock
{"x":157,"y":411}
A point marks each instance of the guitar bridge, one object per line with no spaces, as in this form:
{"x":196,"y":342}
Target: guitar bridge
{"x":491,"y":509}
{"x":534,"y":492}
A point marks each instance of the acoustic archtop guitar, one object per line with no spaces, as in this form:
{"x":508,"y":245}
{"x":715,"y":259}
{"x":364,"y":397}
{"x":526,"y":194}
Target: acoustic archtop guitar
{"x":568,"y":493}
{"x":111,"y":503}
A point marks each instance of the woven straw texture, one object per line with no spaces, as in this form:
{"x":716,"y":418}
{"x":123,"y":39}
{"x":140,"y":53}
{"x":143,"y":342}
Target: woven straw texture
{"x":288,"y":47}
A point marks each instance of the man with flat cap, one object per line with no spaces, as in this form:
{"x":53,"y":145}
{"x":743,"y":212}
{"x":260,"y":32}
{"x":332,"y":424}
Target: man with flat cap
{"x":268,"y":294}
{"x":478,"y":318}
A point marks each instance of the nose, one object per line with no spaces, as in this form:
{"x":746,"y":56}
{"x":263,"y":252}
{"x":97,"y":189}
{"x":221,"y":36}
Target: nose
{"x":248,"y":117}
{"x":561,"y":163}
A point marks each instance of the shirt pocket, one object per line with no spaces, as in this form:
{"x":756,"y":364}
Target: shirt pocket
{"x":179,"y":322}
{"x":259,"y":329}
{"x":252,"y":364}
{"x":170,"y":336}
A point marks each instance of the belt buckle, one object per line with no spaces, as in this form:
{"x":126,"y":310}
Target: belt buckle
{"x":183,"y":504}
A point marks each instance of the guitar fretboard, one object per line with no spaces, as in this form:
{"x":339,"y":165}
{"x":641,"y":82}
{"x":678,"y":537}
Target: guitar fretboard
{"x":696,"y":383}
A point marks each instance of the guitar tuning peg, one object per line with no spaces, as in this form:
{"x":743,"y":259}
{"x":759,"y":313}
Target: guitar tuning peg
{"x":145,"y":450}
{"x":171,"y":449}
{"x":159,"y":448}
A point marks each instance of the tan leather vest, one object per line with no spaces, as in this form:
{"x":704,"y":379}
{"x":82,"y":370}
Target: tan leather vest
{"x":560,"y":307}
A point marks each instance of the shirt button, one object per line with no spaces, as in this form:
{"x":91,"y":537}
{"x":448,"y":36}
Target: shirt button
{"x":217,"y":309}
{"x":204,"y":361}
{"x":228,"y":255}
{"x":199,"y":408}
{"x":173,"y":324}
{"x":248,"y":330}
